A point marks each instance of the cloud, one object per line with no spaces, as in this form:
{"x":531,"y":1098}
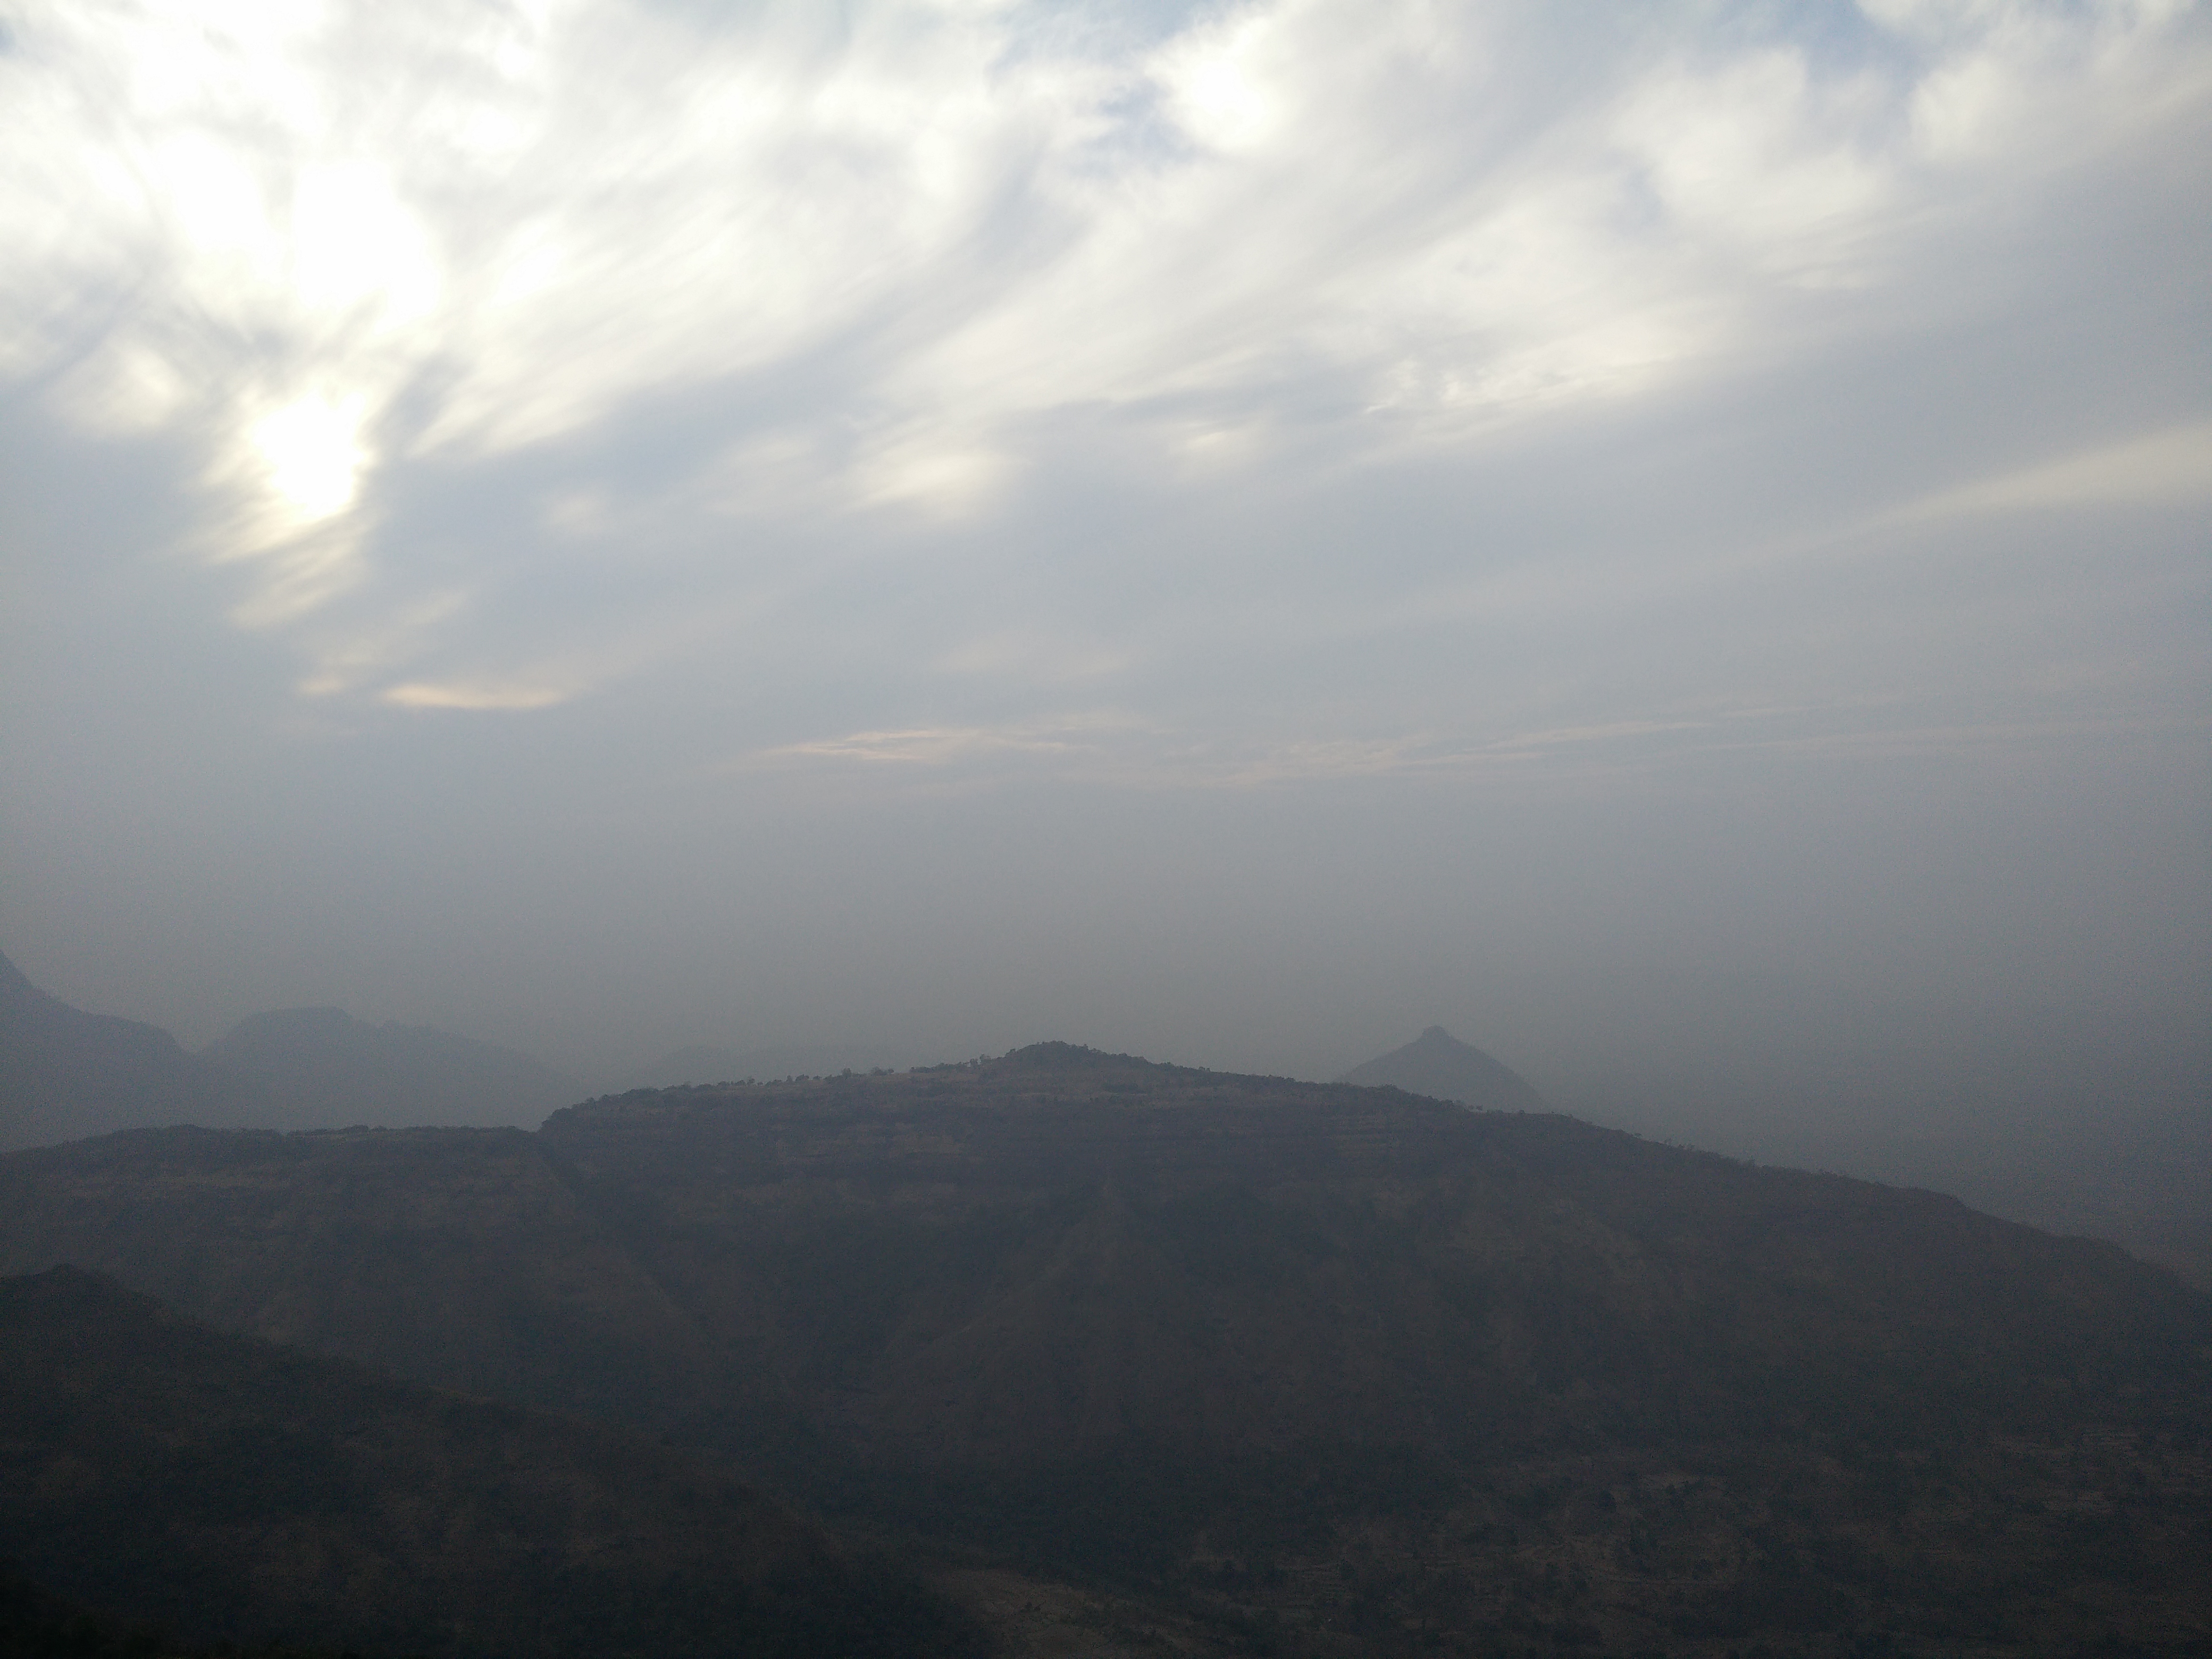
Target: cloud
{"x":476,"y":696}
{"x":922,"y":746}
{"x":1114,"y":749}
{"x":609,"y":317}
{"x":2172,"y":467}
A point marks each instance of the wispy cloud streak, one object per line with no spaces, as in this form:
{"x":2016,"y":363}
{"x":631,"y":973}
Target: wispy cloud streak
{"x":803,"y":268}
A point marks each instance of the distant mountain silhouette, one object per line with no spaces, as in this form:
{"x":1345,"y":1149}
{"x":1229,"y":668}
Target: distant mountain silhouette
{"x":1324,"y":1359}
{"x":231,"y":1489}
{"x":1438,"y":1065}
{"x":320,"y":1068}
{"x":66,"y":1073}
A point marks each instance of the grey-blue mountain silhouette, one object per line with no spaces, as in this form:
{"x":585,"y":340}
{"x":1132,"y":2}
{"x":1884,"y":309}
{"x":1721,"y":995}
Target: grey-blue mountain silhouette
{"x":1438,"y":1065}
{"x":322,"y":1068}
{"x":66,"y":1074}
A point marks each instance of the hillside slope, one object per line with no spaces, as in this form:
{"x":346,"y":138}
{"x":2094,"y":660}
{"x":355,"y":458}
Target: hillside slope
{"x":225,"y":1487}
{"x":1218,"y":1334}
{"x":458,"y":1257}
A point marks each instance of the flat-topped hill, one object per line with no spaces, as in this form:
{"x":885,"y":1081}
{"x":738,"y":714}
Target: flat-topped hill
{"x":1084,"y":1310}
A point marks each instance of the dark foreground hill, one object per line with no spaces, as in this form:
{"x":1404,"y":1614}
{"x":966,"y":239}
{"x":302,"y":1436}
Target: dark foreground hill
{"x":1438,"y":1065}
{"x":1338,"y":1370}
{"x":229,"y":1488}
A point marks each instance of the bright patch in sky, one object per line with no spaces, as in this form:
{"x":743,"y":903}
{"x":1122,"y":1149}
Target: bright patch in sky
{"x":313,"y":451}
{"x":910,"y":251}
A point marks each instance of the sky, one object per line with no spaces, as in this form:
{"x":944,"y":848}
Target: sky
{"x":1671,"y":540}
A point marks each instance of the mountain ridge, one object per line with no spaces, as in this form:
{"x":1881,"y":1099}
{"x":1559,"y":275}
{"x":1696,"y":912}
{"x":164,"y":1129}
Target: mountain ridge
{"x":66,"y":1073}
{"x":1082,"y":1313}
{"x":319,"y":1068}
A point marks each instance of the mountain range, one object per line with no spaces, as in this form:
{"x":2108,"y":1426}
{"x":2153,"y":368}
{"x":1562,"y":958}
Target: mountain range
{"x":1291,"y":1368}
{"x":2135,"y":1171}
{"x":322,"y":1068}
{"x":66,"y":1074}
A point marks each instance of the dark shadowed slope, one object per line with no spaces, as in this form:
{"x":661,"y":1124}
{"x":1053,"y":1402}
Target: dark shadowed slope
{"x":36,"y":1624}
{"x":456,"y":1256}
{"x":65,"y":1073}
{"x":320,"y":1068}
{"x":1241,"y":1337}
{"x":1438,"y":1064}
{"x":166,"y":1472}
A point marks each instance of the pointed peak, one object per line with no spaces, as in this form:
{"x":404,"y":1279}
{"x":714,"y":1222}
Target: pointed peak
{"x":1438,"y":1065}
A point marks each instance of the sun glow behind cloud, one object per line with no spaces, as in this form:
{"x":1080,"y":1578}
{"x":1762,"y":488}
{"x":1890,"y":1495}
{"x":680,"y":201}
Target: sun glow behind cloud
{"x":849,"y":273}
{"x":313,"y":455}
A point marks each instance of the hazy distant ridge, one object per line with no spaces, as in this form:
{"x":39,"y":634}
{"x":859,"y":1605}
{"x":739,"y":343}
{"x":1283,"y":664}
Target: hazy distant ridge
{"x":322,"y":1068}
{"x":1438,"y":1064}
{"x":66,"y":1073}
